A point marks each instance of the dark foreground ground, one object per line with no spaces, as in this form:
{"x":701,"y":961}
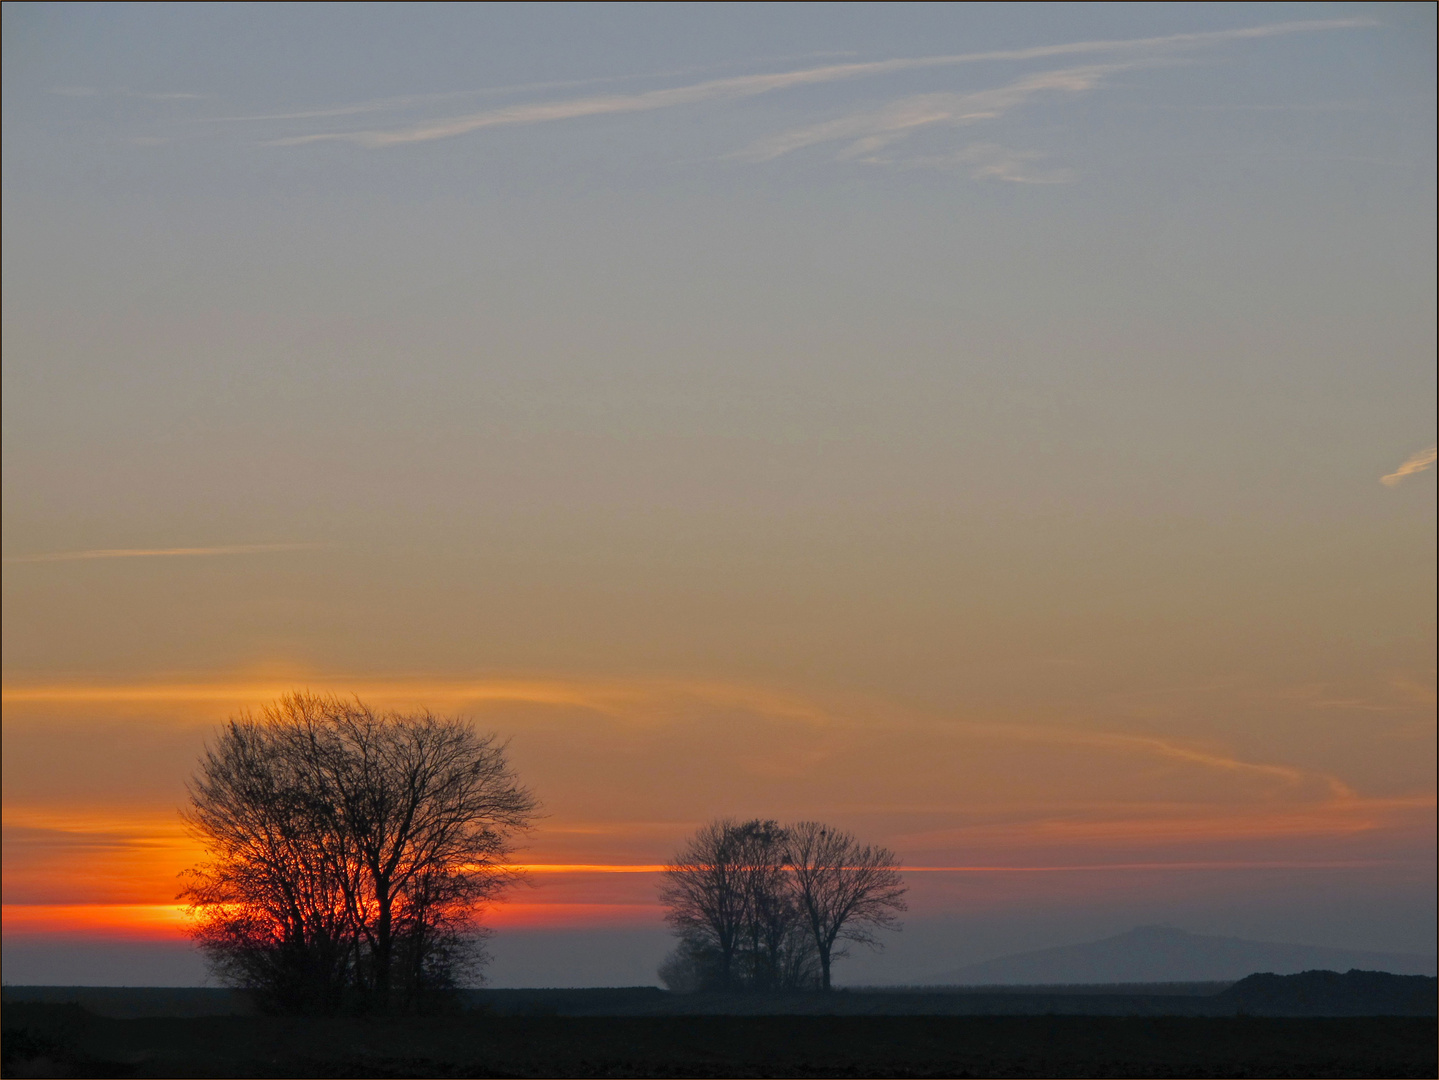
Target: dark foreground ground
{"x":65,"y":1040}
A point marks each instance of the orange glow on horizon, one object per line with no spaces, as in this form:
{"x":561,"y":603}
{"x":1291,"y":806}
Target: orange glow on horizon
{"x":588,"y":868}
{"x":579,"y":916}
{"x":169,"y":922}
{"x":94,"y":868}
{"x":88,"y":856}
{"x":145,"y":922}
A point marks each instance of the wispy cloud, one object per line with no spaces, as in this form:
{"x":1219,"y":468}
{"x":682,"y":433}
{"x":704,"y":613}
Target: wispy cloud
{"x":752,"y":85}
{"x":408,"y":101}
{"x":1159,"y":826}
{"x":1210,"y":758}
{"x":403,"y":101}
{"x":988,"y":161}
{"x":1211,"y":864}
{"x":870,"y":131}
{"x":658,"y":703}
{"x":598,"y":105}
{"x":150,"y":553}
{"x":95,"y":91}
{"x":1417,"y":463}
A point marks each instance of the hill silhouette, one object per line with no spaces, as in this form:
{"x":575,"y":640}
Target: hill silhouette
{"x":1328,"y":993}
{"x":1166,"y":954}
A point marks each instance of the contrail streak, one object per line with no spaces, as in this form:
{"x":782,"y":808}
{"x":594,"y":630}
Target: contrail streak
{"x":152,"y":553}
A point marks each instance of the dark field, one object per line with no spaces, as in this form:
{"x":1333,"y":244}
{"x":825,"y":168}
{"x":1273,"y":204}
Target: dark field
{"x":65,"y":1040}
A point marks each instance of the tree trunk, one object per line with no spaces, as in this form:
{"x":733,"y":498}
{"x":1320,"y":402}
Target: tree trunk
{"x":382,"y":951}
{"x":824,"y":968}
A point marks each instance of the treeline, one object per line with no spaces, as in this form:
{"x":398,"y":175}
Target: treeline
{"x":758,"y":906}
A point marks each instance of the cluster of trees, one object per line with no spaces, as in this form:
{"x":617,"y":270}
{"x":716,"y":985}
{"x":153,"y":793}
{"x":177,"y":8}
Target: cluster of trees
{"x":759,"y":906}
{"x":348,"y":853}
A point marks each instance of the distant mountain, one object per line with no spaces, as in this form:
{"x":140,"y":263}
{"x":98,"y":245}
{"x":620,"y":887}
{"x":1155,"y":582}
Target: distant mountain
{"x":1164,"y":954}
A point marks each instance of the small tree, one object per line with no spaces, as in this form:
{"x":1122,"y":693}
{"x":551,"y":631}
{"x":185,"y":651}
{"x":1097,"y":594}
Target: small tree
{"x":349,"y":852}
{"x":845,"y":891}
{"x":691,"y":967}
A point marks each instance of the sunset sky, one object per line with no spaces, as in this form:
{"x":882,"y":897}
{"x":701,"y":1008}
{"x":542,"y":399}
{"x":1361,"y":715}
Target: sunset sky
{"x":1004,"y":431}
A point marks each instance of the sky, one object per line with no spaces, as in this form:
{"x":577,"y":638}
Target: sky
{"x":1003,"y":431}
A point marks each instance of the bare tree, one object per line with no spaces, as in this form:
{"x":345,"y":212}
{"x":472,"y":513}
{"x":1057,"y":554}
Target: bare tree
{"x":272,"y":909}
{"x":704,"y":891}
{"x":845,"y":891}
{"x":767,"y":902}
{"x":349,"y":851}
{"x":733,"y":901}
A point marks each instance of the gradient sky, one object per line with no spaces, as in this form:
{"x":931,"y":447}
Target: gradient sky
{"x":1003,"y":430}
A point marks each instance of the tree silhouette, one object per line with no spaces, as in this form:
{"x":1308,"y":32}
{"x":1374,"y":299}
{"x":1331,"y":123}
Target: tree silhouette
{"x":759,"y":906}
{"x":704,"y":892}
{"x":770,"y":916}
{"x":348,"y":853}
{"x":844,"y":890}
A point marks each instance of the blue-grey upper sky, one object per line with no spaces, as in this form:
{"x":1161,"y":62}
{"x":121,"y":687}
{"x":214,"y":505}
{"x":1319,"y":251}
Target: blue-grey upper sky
{"x":988,"y":364}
